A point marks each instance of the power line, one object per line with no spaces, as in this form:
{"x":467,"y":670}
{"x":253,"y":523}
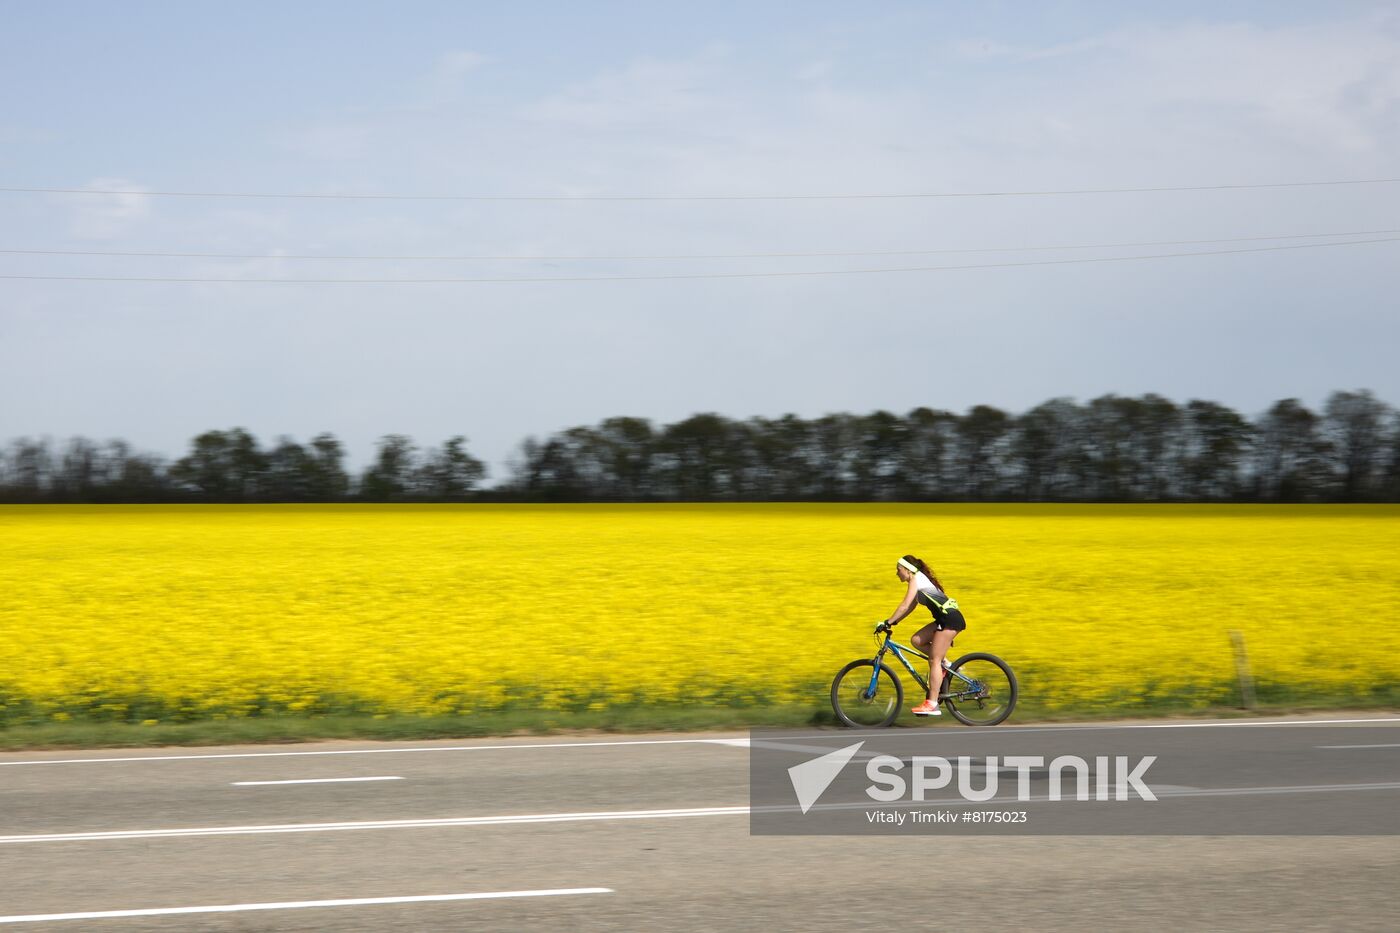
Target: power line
{"x":696,"y":275}
{"x":727,"y":197}
{"x":619,"y":258}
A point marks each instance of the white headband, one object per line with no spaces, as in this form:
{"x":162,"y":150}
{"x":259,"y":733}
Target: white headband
{"x":908,"y":566}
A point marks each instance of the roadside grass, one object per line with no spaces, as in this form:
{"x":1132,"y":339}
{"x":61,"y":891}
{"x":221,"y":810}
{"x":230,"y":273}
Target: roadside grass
{"x":349,"y":726}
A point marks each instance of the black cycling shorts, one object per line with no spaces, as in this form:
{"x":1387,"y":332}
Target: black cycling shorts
{"x":952,"y":621}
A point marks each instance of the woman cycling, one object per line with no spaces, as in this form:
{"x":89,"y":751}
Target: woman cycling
{"x":933,"y":639}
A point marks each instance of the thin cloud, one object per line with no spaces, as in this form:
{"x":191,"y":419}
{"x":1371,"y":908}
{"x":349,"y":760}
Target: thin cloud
{"x":107,"y":216}
{"x":330,"y":141}
{"x":649,"y":91}
{"x":450,"y":77}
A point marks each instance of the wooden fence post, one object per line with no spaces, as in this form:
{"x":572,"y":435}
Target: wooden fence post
{"x":1242,"y":669}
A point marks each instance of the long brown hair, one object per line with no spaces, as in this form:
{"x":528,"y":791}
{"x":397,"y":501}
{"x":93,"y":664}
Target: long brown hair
{"x":926,"y":569}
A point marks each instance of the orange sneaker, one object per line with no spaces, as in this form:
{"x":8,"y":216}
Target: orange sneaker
{"x":927,"y":708}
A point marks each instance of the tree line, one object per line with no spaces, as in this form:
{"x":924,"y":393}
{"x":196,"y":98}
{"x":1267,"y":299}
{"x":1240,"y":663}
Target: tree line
{"x":230,"y":466}
{"x":1112,"y":448}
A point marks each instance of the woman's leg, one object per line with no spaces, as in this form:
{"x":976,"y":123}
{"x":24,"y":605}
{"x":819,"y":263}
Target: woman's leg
{"x":923,"y":640}
{"x":941,"y":640}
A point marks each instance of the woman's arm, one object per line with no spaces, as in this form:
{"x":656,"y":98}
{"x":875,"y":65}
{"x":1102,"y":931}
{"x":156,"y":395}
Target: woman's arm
{"x":906,"y":605}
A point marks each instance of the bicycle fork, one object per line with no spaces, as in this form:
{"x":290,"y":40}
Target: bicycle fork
{"x":874,"y":674}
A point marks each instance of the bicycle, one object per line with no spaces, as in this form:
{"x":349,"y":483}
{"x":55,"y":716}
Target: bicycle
{"x":979,"y":689}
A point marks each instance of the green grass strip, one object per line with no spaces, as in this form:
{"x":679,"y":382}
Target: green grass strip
{"x":292,"y":728}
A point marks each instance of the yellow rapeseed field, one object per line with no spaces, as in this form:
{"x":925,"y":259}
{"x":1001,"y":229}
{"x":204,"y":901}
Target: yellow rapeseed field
{"x":187,"y":612}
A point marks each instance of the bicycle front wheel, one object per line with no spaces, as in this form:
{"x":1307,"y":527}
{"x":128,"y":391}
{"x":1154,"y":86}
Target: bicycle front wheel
{"x":983,"y":690}
{"x":865,"y":696}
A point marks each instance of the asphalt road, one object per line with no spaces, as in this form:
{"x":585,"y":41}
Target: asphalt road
{"x":653,"y":832}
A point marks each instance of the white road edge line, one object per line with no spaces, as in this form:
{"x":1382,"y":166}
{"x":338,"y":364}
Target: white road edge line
{"x":1250,"y":722}
{"x":375,"y":824}
{"x":1392,"y":745}
{"x":1176,"y":791}
{"x":736,"y":742}
{"x":290,"y":905}
{"x":345,"y":780}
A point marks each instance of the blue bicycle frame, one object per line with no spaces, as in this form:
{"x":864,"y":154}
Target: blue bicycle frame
{"x":900,"y":651}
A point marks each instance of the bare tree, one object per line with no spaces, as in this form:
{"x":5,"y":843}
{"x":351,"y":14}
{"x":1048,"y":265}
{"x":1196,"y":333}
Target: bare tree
{"x":1354,"y":423}
{"x":1216,"y":447}
{"x":1292,"y":456}
{"x":390,"y":478}
{"x":223,"y":466}
{"x":449,"y":474}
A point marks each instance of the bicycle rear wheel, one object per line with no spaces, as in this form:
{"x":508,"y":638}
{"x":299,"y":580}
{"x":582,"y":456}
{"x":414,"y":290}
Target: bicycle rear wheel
{"x":866,"y":697}
{"x":991,"y":695}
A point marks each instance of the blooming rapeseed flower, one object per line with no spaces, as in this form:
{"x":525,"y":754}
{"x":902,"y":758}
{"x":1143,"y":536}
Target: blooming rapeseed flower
{"x":142,"y":613}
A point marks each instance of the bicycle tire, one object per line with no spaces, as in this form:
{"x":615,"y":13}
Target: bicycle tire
{"x":891,"y":712}
{"x":1000,"y":715}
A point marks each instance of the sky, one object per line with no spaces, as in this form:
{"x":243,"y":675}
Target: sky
{"x":715,"y":101}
